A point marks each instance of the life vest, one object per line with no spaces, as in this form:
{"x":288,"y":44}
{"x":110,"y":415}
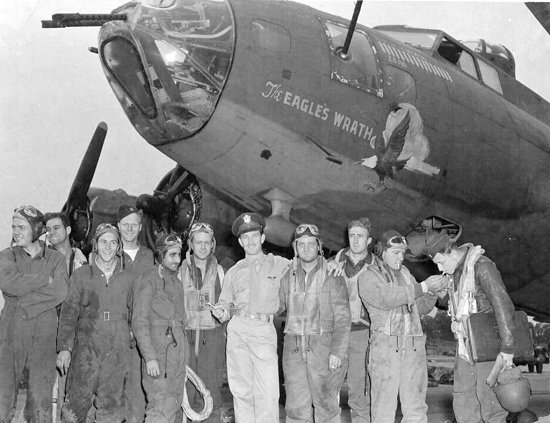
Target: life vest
{"x":355,"y":303}
{"x":402,"y":320}
{"x":196,"y":309}
{"x":304,"y":309}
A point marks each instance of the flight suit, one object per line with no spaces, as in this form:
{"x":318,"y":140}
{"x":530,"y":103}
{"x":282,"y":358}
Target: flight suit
{"x":93,"y":325}
{"x":317,"y":325}
{"x":28,"y":326}
{"x":74,"y":260}
{"x":158,"y":323}
{"x":206,"y":335}
{"x":397,"y":355}
{"x":134,"y":394}
{"x":252,"y":286}
{"x":357,"y":378}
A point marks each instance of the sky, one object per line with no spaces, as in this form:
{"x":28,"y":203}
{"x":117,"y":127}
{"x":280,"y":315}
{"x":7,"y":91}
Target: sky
{"x":54,"y":92}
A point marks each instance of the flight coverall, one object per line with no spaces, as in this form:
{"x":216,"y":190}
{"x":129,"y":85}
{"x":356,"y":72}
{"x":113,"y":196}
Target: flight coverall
{"x":206,"y":335}
{"x":74,"y":260}
{"x":317,"y":325}
{"x":158,"y":322}
{"x":93,"y":326}
{"x":252,"y":286}
{"x":28,"y":325}
{"x":397,"y":355}
{"x":134,"y":394}
{"x":357,"y":377}
{"x":473,"y":400}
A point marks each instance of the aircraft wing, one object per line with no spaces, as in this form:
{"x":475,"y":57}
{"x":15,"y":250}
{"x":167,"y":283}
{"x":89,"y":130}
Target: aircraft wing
{"x":542,"y":13}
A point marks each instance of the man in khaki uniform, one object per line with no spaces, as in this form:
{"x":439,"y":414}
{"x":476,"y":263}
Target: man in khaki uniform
{"x":250,"y":297}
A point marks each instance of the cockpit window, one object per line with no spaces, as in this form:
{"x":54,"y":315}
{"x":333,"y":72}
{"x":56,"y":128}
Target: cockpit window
{"x":122,"y":60}
{"x":271,"y":37}
{"x":419,"y":39}
{"x":181,"y":53}
{"x":163,"y":4}
{"x":455,"y":54}
{"x":490,"y":76}
{"x":361,"y":68}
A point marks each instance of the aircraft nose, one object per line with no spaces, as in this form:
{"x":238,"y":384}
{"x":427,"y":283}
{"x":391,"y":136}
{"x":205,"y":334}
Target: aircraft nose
{"x":168,"y":64}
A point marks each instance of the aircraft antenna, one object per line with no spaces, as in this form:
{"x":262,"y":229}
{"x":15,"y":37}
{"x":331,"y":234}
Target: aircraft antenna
{"x":343,"y":52}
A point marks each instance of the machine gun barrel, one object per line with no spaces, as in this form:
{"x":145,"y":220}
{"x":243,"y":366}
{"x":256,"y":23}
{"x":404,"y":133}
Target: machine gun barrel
{"x":63,"y":20}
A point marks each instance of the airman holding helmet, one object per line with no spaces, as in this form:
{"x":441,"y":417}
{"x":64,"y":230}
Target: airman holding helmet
{"x":473,"y":276}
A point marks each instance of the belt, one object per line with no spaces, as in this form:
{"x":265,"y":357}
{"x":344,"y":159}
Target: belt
{"x":256,"y":316}
{"x":109,"y":316}
{"x":165,"y":322}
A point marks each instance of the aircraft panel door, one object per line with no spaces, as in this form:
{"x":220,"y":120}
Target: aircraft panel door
{"x":361,"y":69}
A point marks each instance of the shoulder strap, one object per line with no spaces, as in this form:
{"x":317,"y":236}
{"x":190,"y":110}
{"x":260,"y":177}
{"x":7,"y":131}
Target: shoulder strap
{"x":221,"y":275}
{"x":71,"y":263}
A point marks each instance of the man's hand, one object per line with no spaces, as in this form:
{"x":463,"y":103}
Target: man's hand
{"x":508,"y":360}
{"x":217,"y":311}
{"x":334,"y":363}
{"x":334,"y":268}
{"x":436,"y":283}
{"x":153,"y":369}
{"x":63,"y":362}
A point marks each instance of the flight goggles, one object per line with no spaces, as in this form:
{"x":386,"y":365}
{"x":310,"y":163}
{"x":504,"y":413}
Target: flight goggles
{"x":172,"y":239}
{"x":397,"y":240}
{"x":29,"y":212}
{"x":304,"y":228}
{"x":201,"y":227}
{"x":103,"y":228}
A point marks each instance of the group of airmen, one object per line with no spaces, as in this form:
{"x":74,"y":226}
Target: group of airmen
{"x":127,"y":324}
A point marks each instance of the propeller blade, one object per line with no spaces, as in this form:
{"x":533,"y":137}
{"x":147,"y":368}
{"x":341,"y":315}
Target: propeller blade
{"x":177,"y":181}
{"x":78,"y":195}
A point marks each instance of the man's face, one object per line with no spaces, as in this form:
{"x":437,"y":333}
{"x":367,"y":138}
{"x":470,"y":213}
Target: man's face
{"x":308,"y":248}
{"x":130,"y":226}
{"x":394,"y":257}
{"x":21,"y":232}
{"x":107,"y":245}
{"x":446,"y":263}
{"x":202,"y":245}
{"x":172,"y":258}
{"x":359,"y":240}
{"x":252,"y":242}
{"x":56,"y":231}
